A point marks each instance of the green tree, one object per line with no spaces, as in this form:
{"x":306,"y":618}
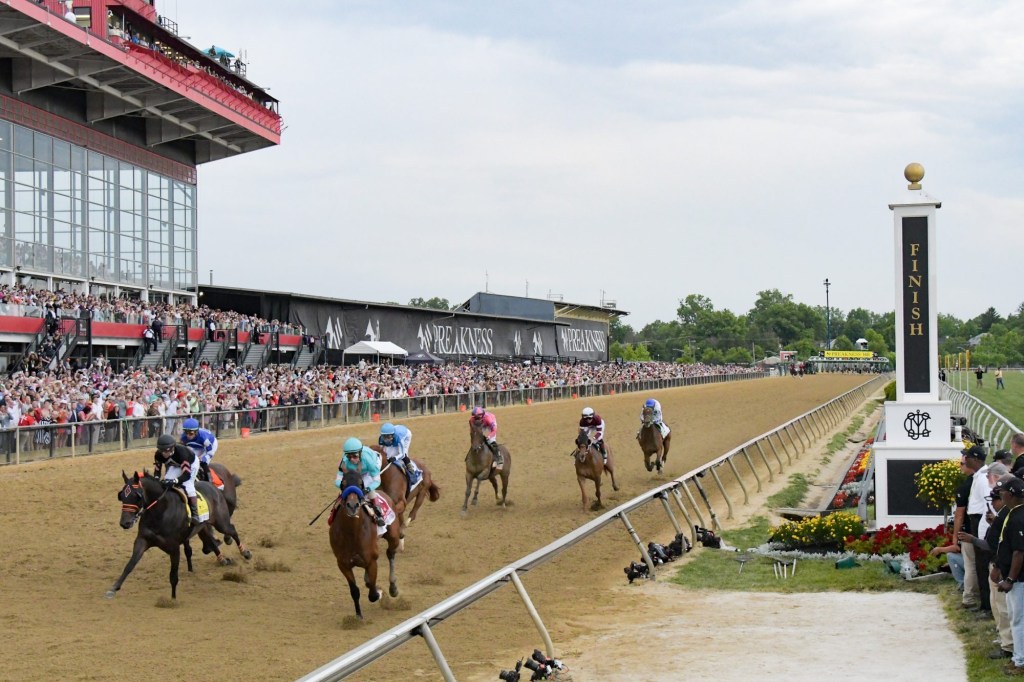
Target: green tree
{"x":843,"y":343}
{"x":876,"y":343}
{"x":738,"y":355}
{"x":628,"y":352}
{"x":436,"y":303}
{"x":619,"y":331}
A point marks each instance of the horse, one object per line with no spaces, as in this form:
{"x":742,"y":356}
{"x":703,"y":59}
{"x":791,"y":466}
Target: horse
{"x":353,"y":536}
{"x":163,"y":517}
{"x":589,"y":465}
{"x":395,"y":483}
{"x":652,"y":443}
{"x":231,"y":482}
{"x":478,"y":467}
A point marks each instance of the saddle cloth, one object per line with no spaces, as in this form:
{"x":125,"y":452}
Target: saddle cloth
{"x":201,"y":504}
{"x":386,"y":512}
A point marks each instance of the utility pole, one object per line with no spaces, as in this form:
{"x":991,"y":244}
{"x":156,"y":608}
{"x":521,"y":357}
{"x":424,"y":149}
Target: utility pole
{"x":828,"y":317}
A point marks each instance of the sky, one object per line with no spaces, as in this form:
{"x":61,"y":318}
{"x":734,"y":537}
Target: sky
{"x":628,"y":152}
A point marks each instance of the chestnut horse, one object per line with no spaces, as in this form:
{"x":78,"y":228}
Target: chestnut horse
{"x":163,"y":518}
{"x":395,"y":483}
{"x":354,"y":537}
{"x":652,"y":443}
{"x":478,"y":467}
{"x":588,"y":463}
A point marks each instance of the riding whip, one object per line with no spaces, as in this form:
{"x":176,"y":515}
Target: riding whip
{"x":322,"y":512}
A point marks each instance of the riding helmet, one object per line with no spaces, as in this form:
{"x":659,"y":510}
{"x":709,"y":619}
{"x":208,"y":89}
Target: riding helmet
{"x":387,"y":429}
{"x":478,"y":411}
{"x":588,"y":413}
{"x":190,"y":425}
{"x":649,"y":403}
{"x":353,"y":445}
{"x":165,"y":441}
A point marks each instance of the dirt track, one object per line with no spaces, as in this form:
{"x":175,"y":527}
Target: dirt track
{"x":281,"y":624}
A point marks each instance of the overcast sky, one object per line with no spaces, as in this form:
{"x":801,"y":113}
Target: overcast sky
{"x":720,"y":148}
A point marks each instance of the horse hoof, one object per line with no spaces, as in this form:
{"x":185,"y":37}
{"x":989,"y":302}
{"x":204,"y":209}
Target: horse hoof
{"x":374,"y":596}
{"x":615,"y":488}
{"x":596,"y":506}
{"x":393,"y":590}
{"x":227,"y":540}
{"x":649,"y":466}
{"x":475,"y":501}
{"x":226,"y":561}
{"x":401,"y":544}
{"x":110,"y":594}
{"x":247,"y":555}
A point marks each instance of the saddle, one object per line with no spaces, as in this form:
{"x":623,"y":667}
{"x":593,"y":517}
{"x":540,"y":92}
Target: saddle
{"x":201,"y":503}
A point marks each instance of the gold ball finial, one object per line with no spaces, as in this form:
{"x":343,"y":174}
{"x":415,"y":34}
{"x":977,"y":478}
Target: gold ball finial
{"x":914,"y":173}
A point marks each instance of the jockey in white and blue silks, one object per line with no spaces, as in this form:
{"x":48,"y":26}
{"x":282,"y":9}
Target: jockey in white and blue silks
{"x":656,"y":416}
{"x":366,"y":463}
{"x":395,"y":439}
{"x":201,"y":442}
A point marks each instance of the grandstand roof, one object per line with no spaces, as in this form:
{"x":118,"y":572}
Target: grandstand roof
{"x":110,"y":82}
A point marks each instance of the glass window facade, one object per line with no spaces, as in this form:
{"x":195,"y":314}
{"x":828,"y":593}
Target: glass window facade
{"x":75,"y":213}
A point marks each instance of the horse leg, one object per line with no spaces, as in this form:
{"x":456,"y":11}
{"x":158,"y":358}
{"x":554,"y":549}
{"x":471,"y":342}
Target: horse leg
{"x":370,"y":576}
{"x":647,"y":461}
{"x":494,"y":482}
{"x":611,"y":472}
{"x":597,"y":493}
{"x":353,"y":589}
{"x":583,"y":491}
{"x":138,"y":549}
{"x":420,"y":494}
{"x":476,"y":493}
{"x":504,"y":487}
{"x":188,"y":556}
{"x":392,"y":579}
{"x":469,"y":488}
{"x":175,"y":560}
{"x":224,"y":525}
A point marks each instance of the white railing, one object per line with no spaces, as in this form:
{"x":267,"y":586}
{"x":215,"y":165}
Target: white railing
{"x":996,"y":429}
{"x":800,"y":433}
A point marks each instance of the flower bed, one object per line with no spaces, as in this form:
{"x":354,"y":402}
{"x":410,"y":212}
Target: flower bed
{"x":819,"y":532}
{"x":848,"y":495}
{"x":899,"y":542}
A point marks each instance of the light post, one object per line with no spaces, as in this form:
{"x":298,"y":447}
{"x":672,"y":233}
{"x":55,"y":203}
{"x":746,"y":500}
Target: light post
{"x":828,"y":317}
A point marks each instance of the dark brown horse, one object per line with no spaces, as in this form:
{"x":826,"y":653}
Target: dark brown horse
{"x":163,"y":518}
{"x":231,"y":482}
{"x":652,"y":443}
{"x":354,"y":540}
{"x":395,"y":483}
{"x":478,"y":467}
{"x":589,"y":466}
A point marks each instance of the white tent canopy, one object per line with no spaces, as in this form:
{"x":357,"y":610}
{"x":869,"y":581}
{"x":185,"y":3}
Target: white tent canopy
{"x":375,"y":348}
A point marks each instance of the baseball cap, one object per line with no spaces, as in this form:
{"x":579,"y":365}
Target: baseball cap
{"x":1014,"y":486}
{"x":975,"y":451}
{"x":1002,"y":456}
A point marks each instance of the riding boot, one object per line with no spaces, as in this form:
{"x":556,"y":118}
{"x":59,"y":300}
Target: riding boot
{"x":378,"y":518}
{"x":499,"y":461}
{"x":603,"y":451}
{"x":412,"y":471}
{"x":193,"y":506}
{"x":205,"y":467}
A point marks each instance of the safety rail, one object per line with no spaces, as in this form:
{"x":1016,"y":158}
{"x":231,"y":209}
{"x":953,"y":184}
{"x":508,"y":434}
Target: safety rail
{"x":996,"y":429}
{"x":798,"y":431}
{"x":31,"y":443}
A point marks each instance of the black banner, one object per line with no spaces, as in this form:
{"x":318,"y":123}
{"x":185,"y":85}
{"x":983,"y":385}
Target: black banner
{"x":450,"y":335}
{"x":917,"y":368}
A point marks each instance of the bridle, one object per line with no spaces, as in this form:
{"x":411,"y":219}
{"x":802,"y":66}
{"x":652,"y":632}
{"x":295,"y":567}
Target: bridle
{"x":132,"y":490}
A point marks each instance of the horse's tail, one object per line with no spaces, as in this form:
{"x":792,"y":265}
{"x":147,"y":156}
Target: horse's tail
{"x":434,"y":492}
{"x":237,"y":479}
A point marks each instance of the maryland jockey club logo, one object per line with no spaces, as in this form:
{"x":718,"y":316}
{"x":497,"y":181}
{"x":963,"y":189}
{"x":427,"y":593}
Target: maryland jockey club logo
{"x":517,"y":342}
{"x":916,"y":425}
{"x":538,"y":344}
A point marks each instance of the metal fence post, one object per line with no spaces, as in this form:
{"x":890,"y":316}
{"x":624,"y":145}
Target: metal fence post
{"x":639,"y":543}
{"x":548,"y":644}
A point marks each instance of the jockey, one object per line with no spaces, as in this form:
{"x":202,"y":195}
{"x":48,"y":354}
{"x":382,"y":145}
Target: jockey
{"x":656,"y":417}
{"x":201,"y":442}
{"x":180,"y":463}
{"x":366,"y":462}
{"x":396,"y":441}
{"x":593,"y":426}
{"x":487,"y":421}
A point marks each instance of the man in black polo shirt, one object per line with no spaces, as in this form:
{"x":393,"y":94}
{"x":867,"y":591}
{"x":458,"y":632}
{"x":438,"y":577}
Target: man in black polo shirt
{"x":1010,"y":566}
{"x":990,"y":544}
{"x":972,"y":596}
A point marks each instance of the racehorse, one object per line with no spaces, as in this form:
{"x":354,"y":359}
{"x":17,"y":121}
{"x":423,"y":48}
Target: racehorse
{"x":163,"y":517}
{"x":353,"y":535}
{"x":652,"y":443}
{"x":589,"y":465}
{"x":395,"y":483}
{"x":478,"y":467}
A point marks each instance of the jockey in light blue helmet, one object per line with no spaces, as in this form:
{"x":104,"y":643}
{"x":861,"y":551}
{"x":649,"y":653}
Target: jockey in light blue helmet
{"x":365,"y":462}
{"x":201,"y":442}
{"x":656,"y":416}
{"x":396,"y":440}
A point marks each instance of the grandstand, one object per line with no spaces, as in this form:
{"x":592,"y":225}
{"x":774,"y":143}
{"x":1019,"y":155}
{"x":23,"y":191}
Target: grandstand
{"x":105,"y":114}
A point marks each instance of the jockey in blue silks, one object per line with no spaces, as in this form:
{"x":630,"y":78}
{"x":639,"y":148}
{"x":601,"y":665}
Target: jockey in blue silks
{"x":365,"y":462}
{"x":396,"y":439}
{"x":201,"y":442}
